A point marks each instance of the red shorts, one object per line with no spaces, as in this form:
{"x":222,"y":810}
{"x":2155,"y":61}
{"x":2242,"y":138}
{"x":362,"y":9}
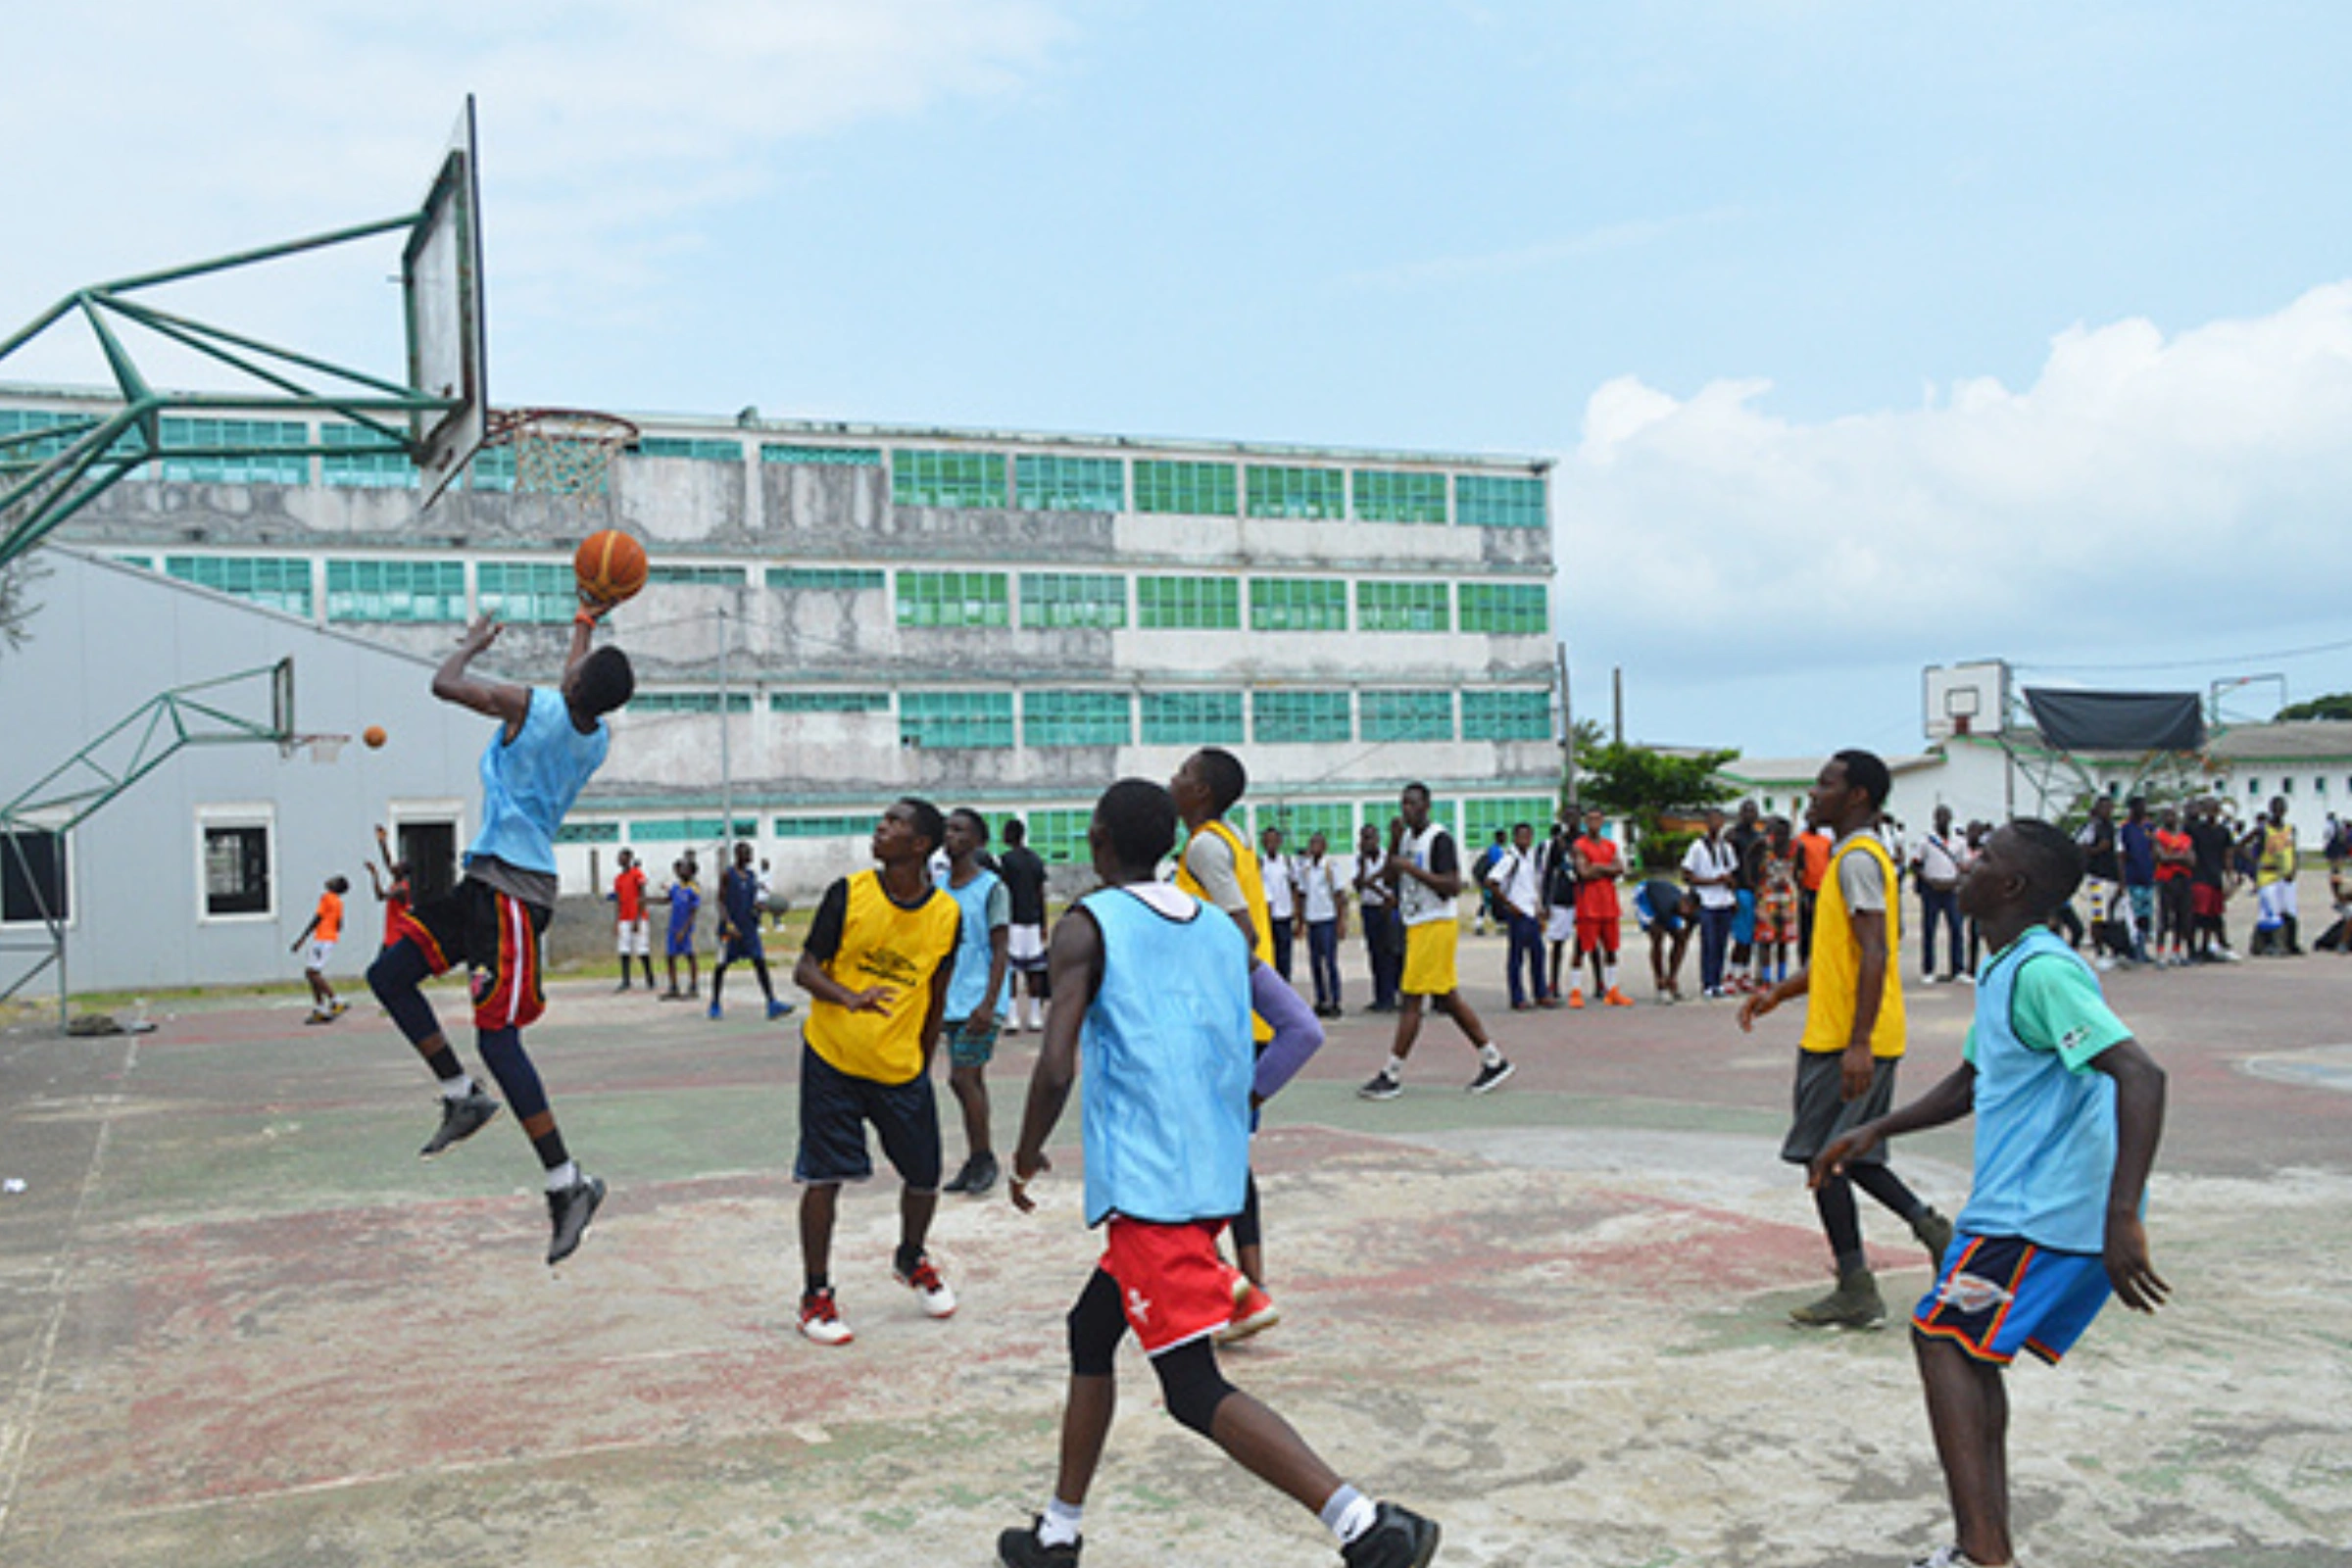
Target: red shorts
{"x":1173,"y":1286}
{"x":2207,"y":902}
{"x":1597,"y":934}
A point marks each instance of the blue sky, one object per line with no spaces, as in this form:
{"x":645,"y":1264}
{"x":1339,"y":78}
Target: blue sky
{"x":1867,"y":336}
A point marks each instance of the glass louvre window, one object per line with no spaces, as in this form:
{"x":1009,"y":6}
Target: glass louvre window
{"x":691,"y":830}
{"x":1076,"y":719}
{"x":492,"y":469}
{"x":935,"y":478}
{"x":236,"y":868}
{"x":1402,"y":607}
{"x":1046,"y":483}
{"x":1513,"y":609}
{"x":953,"y":598}
{"x":281,"y":582}
{"x":535,"y":593}
{"x":1206,"y":604}
{"x":1493,"y":501}
{"x":1072,"y":599}
{"x":1384,"y":495}
{"x":1483,"y":819}
{"x":396,"y":590}
{"x":1291,"y":716}
{"x":1297,"y":492}
{"x":363,"y":470}
{"x":695,"y":448}
{"x":1187,"y":489}
{"x":786,"y":451}
{"x":1491,"y":716}
{"x":1297,"y":604}
{"x":1403,"y":715}
{"x":577,"y":832}
{"x":1192,"y":718}
{"x":1300,"y":820}
{"x":695,"y":576}
{"x":828,"y":701}
{"x":291,"y":467}
{"x":824,"y":827}
{"x":1060,"y":835}
{"x":24,"y":421}
{"x":688,"y":703}
{"x":940,"y":720}
{"x":826,"y":578}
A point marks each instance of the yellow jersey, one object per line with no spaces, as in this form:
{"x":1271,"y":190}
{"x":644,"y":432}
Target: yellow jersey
{"x":1253,"y":894}
{"x":883,"y":943}
{"x":1835,"y":980}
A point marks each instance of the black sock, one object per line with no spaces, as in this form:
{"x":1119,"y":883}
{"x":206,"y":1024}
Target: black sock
{"x":445,"y":1064}
{"x":550,"y":1144}
{"x":909,"y":1257}
{"x":1888,"y":1189}
{"x":1835,"y":1199}
{"x":818,"y":1284}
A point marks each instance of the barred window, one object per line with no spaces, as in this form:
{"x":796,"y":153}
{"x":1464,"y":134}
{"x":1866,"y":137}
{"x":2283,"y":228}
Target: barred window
{"x":1297,"y":604}
{"x":1492,"y":715}
{"x":1192,"y":718}
{"x":393,"y":591}
{"x":1514,"y":608}
{"x":281,"y":582}
{"x":385,"y":468}
{"x":697,"y":449}
{"x":1496,"y":501}
{"x":536,"y":593}
{"x":1187,"y":489}
{"x":940,"y":720}
{"x":808,"y":457}
{"x":1212,"y":604}
{"x":825,"y":578}
{"x":210,"y":463}
{"x":1072,"y":599}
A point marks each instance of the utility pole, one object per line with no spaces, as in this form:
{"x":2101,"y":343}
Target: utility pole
{"x":1567,"y":724}
{"x":1617,"y":704}
{"x":726,"y":771}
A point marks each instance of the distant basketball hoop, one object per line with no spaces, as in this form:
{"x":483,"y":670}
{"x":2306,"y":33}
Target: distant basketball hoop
{"x":562,"y":452}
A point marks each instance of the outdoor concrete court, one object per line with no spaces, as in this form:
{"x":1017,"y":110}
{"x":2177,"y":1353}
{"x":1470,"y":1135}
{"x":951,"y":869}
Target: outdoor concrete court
{"x":241,"y":1323}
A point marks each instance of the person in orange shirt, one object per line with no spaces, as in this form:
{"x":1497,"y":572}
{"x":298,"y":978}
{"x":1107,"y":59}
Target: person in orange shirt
{"x":325,"y":929}
{"x":393,"y":889}
{"x":1599,"y":916}
{"x":1812,"y":865}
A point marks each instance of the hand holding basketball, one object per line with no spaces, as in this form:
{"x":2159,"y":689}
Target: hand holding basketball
{"x":611,"y":568}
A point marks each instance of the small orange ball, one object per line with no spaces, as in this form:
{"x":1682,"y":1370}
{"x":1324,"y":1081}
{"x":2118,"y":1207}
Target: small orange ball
{"x":374,"y":736}
{"x":610,"y":566}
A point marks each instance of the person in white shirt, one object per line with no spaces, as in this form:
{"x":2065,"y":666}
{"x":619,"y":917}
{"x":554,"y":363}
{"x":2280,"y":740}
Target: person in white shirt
{"x":1281,"y":878}
{"x":1937,"y":861}
{"x":1711,"y":865}
{"x":1425,"y":867}
{"x":1384,"y":934}
{"x":1518,"y":891}
{"x":1323,"y":907}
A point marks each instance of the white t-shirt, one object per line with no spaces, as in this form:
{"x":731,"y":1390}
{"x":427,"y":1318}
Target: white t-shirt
{"x":1277,"y":874}
{"x":1373,"y":893}
{"x":1417,"y":901}
{"x":1515,"y":880}
{"x":1707,"y":858}
{"x":1319,"y":888}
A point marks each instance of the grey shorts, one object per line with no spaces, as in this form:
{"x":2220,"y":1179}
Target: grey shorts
{"x":1821,"y":1116}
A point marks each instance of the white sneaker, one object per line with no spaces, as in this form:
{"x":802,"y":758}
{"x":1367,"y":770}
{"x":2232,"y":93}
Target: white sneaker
{"x":1945,"y":1557}
{"x":938,"y":1300}
{"x":821,"y":1322}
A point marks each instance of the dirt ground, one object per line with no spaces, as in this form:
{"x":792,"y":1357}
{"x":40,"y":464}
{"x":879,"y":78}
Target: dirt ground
{"x":240,"y":1322}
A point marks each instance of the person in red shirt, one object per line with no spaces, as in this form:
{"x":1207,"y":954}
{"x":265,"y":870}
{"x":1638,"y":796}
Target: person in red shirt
{"x":392,"y":889}
{"x":1812,"y":865}
{"x":1599,"y":919}
{"x":632,"y":932}
{"x":2175,"y":861}
{"x":325,"y":927}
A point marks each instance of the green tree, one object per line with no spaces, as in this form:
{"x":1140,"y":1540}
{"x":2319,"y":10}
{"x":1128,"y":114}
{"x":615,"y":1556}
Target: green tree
{"x":1641,"y":785}
{"x":2337,"y":705}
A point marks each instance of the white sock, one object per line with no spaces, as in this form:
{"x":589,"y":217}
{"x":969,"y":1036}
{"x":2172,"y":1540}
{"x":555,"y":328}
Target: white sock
{"x":1608,"y":973}
{"x":1394,"y":1070}
{"x":562,"y":1176}
{"x":456,"y":1088}
{"x":1058,"y":1527}
{"x":1489,"y":1054}
{"x":1348,"y":1514}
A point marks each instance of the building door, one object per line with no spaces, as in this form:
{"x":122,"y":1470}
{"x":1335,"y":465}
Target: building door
{"x":431,"y":850}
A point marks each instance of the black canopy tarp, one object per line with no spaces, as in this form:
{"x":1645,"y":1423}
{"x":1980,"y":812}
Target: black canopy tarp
{"x":2118,"y":721}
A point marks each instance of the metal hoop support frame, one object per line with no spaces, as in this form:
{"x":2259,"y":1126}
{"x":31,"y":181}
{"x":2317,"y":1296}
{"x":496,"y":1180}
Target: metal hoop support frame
{"x":561,"y":452}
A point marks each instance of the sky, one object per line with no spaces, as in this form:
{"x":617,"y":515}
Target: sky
{"x":1864,"y":338}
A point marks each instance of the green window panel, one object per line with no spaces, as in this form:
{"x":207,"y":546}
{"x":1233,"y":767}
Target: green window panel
{"x":1297,"y":492}
{"x":697,"y":449}
{"x":1193,"y":719}
{"x":395,"y":591}
{"x":1284,"y":717}
{"x":1514,"y":608}
{"x":377,"y":469}
{"x":826,"y":578}
{"x":677,"y":577}
{"x":688,"y":703}
{"x":955,"y":597}
{"x":941,"y":720}
{"x":1059,"y":836}
{"x":25,"y":421}
{"x":1493,"y":501}
{"x":1073,"y":599}
{"x":824,"y":827}
{"x":946,"y":478}
{"x":1491,"y":716}
{"x":1187,"y":489}
{"x":1402,"y":607}
{"x":820,"y":457}
{"x":1482,"y":819}
{"x":692,"y":830}
{"x":588,"y":833}
{"x":1389,"y":495}
{"x":1049,"y":483}
{"x":146,"y":562}
{"x":282,"y":582}
{"x":265,"y":467}
{"x":492,"y":469}
{"x":1297,"y":604}
{"x":1407,"y":716}
{"x":828,"y":701}
{"x":1206,"y":604}
{"x":1300,"y":820}
{"x":1076,"y":719}
{"x":533,"y":593}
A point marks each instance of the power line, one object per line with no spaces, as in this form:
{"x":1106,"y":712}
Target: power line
{"x":2197,"y":663}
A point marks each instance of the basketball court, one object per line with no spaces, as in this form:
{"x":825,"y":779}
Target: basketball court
{"x":241,"y":1323}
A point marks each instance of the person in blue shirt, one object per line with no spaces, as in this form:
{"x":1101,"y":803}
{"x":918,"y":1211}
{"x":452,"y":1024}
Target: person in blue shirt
{"x":738,"y":932}
{"x":684,"y":895}
{"x":549,"y":741}
{"x":983,"y":949}
{"x":1152,"y":993}
{"x":2069,"y":1111}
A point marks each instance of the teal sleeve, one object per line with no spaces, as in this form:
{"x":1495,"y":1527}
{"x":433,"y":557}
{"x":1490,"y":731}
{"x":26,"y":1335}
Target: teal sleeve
{"x":1968,"y":1046}
{"x":2058,"y":1007}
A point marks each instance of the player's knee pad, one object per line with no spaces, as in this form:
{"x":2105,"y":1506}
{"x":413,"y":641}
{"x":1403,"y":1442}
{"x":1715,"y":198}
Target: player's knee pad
{"x":397,"y":977}
{"x":503,"y":1054}
{"x":1096,"y":1324}
{"x":1191,"y":1384}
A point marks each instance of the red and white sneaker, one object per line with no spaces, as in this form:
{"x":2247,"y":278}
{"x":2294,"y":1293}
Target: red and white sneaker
{"x":1254,"y":1312}
{"x":820,"y":1319}
{"x":924,"y":1281}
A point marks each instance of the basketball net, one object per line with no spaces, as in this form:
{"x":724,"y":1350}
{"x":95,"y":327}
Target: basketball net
{"x":561,"y":452}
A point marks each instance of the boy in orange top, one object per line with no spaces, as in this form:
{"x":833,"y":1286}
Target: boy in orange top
{"x":1599,"y":919}
{"x":1812,"y":865}
{"x":325,"y":929}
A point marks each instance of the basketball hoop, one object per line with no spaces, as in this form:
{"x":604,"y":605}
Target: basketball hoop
{"x":561,"y":452}
{"x":323,"y":748}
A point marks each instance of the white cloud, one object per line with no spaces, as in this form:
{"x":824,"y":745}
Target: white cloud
{"x":2144,"y":490}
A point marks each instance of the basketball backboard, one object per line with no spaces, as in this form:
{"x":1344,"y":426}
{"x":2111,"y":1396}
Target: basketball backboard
{"x":1965,"y":699}
{"x":441,"y":283}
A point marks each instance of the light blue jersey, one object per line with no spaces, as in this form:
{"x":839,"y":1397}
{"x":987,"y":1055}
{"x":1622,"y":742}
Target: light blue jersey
{"x":530,"y":782}
{"x":2045,"y":1116}
{"x":986,"y":909}
{"x":1166,"y":1058}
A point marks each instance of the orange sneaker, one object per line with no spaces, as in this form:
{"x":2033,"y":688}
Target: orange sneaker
{"x":1576,"y":997}
{"x":1617,"y":998}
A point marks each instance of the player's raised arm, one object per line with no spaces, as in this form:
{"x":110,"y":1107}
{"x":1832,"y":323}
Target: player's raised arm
{"x":498,"y":700}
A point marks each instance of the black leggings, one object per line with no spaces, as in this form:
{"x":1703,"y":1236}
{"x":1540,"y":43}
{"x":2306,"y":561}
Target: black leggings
{"x":1188,"y":1380}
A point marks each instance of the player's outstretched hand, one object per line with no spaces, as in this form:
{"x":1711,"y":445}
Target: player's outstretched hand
{"x":1756,"y":1006}
{"x":1844,"y":1150}
{"x":2137,"y":1283}
{"x":481,"y":634}
{"x":1016,"y":1186}
{"x":593,"y":608}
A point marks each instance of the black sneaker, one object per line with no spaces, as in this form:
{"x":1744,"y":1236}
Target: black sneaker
{"x":460,"y":1119}
{"x":1489,"y":1077}
{"x":570,"y":1212}
{"x":1380,"y":1086}
{"x":961,"y":1182}
{"x":1398,"y":1539}
{"x":978,"y":1175}
{"x":1020,"y":1549}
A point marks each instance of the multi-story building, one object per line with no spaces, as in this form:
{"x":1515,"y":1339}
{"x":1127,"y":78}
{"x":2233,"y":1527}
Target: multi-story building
{"x":842,"y":613}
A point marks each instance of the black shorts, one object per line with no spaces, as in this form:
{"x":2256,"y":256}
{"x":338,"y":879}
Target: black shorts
{"x":496,"y":936}
{"x":1821,"y":1116}
{"x":835,"y":1108}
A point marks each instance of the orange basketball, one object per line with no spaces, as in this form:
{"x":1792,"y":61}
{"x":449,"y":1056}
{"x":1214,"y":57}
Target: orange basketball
{"x":609,"y":565}
{"x":373,"y":735}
